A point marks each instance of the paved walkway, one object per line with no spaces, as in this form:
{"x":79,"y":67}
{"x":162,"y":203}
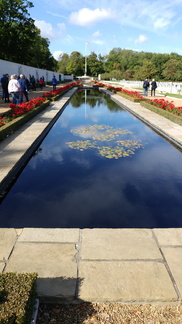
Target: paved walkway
{"x":119,"y":265}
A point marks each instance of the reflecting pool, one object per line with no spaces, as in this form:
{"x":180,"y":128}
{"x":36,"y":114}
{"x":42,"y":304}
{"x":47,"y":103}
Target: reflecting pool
{"x":99,"y":167}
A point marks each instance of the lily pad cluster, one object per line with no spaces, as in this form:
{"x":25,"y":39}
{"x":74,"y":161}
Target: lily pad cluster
{"x":104,"y":133}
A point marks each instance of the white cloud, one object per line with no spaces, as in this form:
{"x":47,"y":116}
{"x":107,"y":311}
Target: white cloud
{"x":141,"y":39}
{"x":45,"y":28}
{"x":56,"y":54}
{"x":48,"y":31}
{"x":98,"y":42}
{"x":161,"y":23}
{"x":96,"y":34}
{"x":56,"y":14}
{"x":88,"y":17}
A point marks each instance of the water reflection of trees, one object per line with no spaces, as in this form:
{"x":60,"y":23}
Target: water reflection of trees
{"x":93,"y":98}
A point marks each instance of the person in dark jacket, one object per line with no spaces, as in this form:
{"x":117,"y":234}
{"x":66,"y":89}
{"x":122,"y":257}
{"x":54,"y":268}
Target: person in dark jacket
{"x":4,"y":84}
{"x":146,"y":85}
{"x":23,"y":88}
{"x":153,"y":87}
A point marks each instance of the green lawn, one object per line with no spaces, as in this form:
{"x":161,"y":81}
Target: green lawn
{"x":173,"y":95}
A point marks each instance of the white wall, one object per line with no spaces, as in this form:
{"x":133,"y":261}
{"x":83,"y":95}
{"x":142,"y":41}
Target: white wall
{"x":16,"y":68}
{"x":169,"y":87}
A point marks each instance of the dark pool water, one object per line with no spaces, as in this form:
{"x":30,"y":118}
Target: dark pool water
{"x":99,"y":167}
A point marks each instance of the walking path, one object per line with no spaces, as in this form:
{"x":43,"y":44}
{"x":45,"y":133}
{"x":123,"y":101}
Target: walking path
{"x":119,"y":265}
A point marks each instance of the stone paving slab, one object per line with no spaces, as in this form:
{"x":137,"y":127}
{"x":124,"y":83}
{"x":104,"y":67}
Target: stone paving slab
{"x":119,"y":265}
{"x":60,"y":235}
{"x":55,"y":264}
{"x":8,"y":238}
{"x":106,"y":244}
{"x":125,"y":282}
{"x":169,"y":236}
{"x":174,"y":260}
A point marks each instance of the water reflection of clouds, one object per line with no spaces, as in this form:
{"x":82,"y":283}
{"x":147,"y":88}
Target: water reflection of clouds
{"x":102,"y":192}
{"x":113,"y":195}
{"x":53,"y":153}
{"x":81,"y":161}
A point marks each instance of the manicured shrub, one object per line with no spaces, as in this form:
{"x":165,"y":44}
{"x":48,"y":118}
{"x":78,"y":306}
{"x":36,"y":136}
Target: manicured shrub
{"x":17,"y":297}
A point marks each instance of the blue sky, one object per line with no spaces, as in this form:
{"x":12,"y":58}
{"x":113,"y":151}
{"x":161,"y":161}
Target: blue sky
{"x":139,"y":25}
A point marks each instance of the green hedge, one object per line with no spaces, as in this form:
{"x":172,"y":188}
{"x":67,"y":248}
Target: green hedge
{"x":17,"y":297}
{"x":176,"y":119}
{"x":14,"y":124}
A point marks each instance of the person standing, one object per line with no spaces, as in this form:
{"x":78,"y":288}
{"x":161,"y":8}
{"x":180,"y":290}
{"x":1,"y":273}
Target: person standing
{"x":146,"y":85}
{"x":54,"y":82}
{"x":4,"y":84}
{"x":41,"y":83}
{"x":153,"y":87}
{"x":32,"y":81}
{"x":23,"y":88}
{"x":14,"y":88}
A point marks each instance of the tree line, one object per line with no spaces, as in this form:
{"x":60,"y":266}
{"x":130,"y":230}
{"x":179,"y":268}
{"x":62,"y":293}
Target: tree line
{"x":124,"y":64}
{"x":21,"y":41}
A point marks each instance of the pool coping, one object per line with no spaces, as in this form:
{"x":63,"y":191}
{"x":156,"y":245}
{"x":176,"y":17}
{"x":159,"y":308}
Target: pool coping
{"x":75,"y":265}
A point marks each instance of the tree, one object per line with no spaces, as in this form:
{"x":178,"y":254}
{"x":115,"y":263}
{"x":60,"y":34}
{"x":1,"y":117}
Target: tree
{"x":147,"y":70}
{"x":112,"y":58}
{"x":173,"y":70}
{"x":16,"y":30}
{"x":75,"y":65}
{"x":20,"y":38}
{"x":62,"y":63}
{"x":159,"y":60}
{"x":95,"y":66}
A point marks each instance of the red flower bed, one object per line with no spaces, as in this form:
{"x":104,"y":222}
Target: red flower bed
{"x":56,"y":92}
{"x":166,"y":105}
{"x":20,"y":109}
{"x":133,"y":94}
{"x":159,"y":103}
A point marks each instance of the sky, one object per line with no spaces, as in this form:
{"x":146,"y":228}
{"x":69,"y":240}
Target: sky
{"x":99,"y":26}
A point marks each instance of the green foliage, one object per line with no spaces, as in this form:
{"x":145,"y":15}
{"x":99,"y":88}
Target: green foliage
{"x":20,"y":38}
{"x":17,"y":297}
{"x":131,"y":65}
{"x":173,"y":70}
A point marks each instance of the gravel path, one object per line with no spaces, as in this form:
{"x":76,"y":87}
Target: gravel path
{"x":109,"y":313}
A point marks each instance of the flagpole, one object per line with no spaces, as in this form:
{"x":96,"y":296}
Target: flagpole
{"x":86,"y":43}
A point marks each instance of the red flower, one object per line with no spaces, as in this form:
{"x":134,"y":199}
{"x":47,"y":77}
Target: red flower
{"x":11,"y":105}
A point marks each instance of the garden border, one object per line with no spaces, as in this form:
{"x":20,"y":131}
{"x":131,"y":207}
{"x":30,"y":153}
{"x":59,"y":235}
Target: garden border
{"x":162,"y":112}
{"x":14,"y":124}
{"x":170,"y":139}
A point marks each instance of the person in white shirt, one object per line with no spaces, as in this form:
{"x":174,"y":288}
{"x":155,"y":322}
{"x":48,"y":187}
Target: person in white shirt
{"x":14,"y":88}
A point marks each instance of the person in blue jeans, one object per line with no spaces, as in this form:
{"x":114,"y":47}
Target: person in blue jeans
{"x":23,"y":88}
{"x":14,"y":88}
{"x":146,"y":85}
{"x":54,"y":82}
